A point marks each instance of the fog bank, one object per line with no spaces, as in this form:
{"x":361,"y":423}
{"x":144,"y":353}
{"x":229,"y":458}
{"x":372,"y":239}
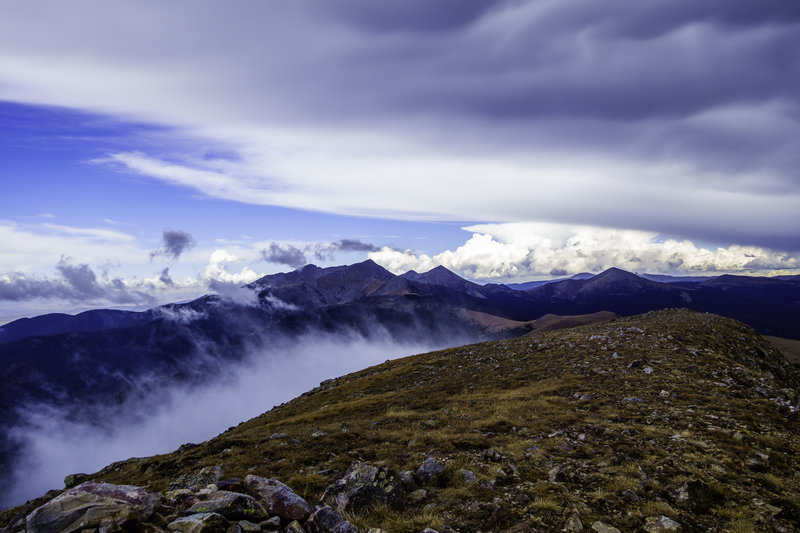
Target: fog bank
{"x":54,"y":444}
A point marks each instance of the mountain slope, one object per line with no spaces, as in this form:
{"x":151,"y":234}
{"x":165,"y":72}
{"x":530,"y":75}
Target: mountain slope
{"x":672,"y":416}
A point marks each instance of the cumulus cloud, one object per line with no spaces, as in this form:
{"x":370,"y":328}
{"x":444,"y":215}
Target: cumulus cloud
{"x":674,"y":117}
{"x":523,"y":250}
{"x":217,"y":269}
{"x":175,"y":242}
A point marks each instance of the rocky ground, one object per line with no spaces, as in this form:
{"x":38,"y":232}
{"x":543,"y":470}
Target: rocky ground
{"x":669,"y":421}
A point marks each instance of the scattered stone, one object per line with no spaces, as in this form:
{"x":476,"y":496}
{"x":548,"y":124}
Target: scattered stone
{"x":522,"y":527}
{"x":573,"y":523}
{"x":417,"y":497}
{"x":277,"y":498}
{"x":468,"y":476}
{"x":629,"y":496}
{"x":271,"y":524}
{"x":248,"y":527}
{"x":363,"y":485}
{"x":199,"y":480}
{"x":558,"y":473}
{"x":429,"y":471}
{"x":294,"y":527}
{"x":231,"y":505}
{"x":326,"y":520}
{"x":199,"y":523}
{"x":94,"y":505}
{"x":661,"y":525}
{"x":603,"y":528}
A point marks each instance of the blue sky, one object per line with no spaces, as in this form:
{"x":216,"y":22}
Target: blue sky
{"x":506,"y":141}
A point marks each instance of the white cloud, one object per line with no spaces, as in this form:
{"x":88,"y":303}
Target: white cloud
{"x":218,"y":271}
{"x":516,"y":251}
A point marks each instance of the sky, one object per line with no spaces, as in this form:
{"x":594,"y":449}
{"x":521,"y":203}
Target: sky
{"x":156,"y":151}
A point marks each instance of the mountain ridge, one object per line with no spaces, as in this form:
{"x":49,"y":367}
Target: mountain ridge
{"x":669,"y":419}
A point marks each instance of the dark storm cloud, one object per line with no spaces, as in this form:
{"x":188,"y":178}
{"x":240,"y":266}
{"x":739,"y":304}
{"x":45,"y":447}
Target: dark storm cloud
{"x":284,"y":254}
{"x":77,"y":283}
{"x":175,"y":243}
{"x":593,"y":105}
{"x":409,"y":15}
{"x":165,"y":278}
{"x":287,"y":254}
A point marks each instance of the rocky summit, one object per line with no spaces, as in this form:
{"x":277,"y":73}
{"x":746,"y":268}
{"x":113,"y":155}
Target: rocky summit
{"x":669,"y":421}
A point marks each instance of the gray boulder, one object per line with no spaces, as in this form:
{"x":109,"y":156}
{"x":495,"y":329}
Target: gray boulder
{"x":363,"y":485}
{"x":429,"y":471}
{"x":326,"y":520}
{"x":94,"y":505}
{"x":200,"y":523}
{"x":209,"y":475}
{"x":231,"y":505}
{"x":277,"y":498}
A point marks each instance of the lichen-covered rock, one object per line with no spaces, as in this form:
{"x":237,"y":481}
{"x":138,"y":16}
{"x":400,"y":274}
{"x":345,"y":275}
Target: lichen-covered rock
{"x":603,"y":528}
{"x":277,"y":498}
{"x":294,"y":527}
{"x":363,"y":485}
{"x":663,"y":524}
{"x":72,"y":480}
{"x":574,"y":523}
{"x":94,"y":505}
{"x":198,"y":480}
{"x":199,"y":523}
{"x":231,"y":505}
{"x":429,"y":471}
{"x":326,"y":520}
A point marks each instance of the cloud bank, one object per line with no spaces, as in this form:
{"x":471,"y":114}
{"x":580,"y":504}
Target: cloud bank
{"x":57,"y":444}
{"x":508,"y":252}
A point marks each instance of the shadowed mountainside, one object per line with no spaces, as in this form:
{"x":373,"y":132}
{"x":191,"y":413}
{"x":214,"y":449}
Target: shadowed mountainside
{"x":665,"y":420}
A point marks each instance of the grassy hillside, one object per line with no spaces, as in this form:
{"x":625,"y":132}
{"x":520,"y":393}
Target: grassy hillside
{"x":674,"y":413}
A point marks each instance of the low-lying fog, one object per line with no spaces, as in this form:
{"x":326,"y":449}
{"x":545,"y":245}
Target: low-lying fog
{"x":54,"y":446}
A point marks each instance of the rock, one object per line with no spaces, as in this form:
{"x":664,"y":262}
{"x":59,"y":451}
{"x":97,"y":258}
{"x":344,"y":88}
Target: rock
{"x":429,"y":471}
{"x":231,"y":505}
{"x":363,"y":485}
{"x":573,"y":523}
{"x":406,"y":477}
{"x":695,"y":495}
{"x":248,"y":527}
{"x":200,"y":479}
{"x":661,"y":525}
{"x":428,"y":530}
{"x":602,"y":528}
{"x":468,"y":476}
{"x":377,"y":530}
{"x":558,"y":473}
{"x":199,"y":523}
{"x":277,"y":498}
{"x":522,"y":527}
{"x":94,"y":505}
{"x":294,"y":527}
{"x":417,"y":497}
{"x":326,"y":520}
{"x":272,"y":524}
{"x":74,"y":479}
{"x":629,"y":495}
